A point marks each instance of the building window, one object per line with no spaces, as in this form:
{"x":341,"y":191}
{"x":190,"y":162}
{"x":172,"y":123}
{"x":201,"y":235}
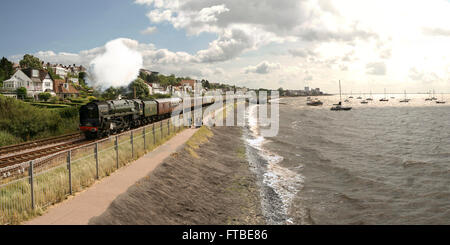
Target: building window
{"x":47,"y":84}
{"x":35,"y":73}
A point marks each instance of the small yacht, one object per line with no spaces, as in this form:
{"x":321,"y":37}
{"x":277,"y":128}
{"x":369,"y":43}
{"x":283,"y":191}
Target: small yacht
{"x":405,"y":100}
{"x":441,"y":101}
{"x":429,"y":97}
{"x":315,"y":102}
{"x":370,"y":98}
{"x":433,"y":98}
{"x":339,"y":107}
{"x":385,"y":99}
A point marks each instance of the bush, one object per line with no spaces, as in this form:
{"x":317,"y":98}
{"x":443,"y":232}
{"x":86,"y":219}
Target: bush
{"x":54,"y":100}
{"x":28,"y":122}
{"x":21,"y":93}
{"x":68,"y":112}
{"x":92,"y":98}
{"x":8,"y":139}
{"x":44,"y":96}
{"x":78,"y":100}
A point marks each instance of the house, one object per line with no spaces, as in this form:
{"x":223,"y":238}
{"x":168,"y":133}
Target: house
{"x":35,"y":81}
{"x":60,"y":71}
{"x":148,"y":72}
{"x":188,"y":85}
{"x":74,"y":80}
{"x":156,"y":88}
{"x":64,"y":89}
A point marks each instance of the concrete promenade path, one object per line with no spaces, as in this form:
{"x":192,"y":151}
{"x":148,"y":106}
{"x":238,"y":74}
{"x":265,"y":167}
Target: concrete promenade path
{"x":92,"y":202}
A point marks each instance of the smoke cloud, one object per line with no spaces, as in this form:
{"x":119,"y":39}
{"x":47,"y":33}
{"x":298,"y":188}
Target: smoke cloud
{"x":117,"y":66}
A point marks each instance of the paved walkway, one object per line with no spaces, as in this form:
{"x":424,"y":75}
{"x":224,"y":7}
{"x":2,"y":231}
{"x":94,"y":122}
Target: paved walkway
{"x":78,"y":210}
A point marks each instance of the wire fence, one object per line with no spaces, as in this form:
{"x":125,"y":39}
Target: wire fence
{"x":43,"y":182}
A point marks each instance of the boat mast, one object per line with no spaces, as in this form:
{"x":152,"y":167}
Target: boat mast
{"x":340,"y":94}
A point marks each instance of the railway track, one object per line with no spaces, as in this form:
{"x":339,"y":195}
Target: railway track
{"x":5,"y":150}
{"x":32,"y":155}
{"x":15,"y":162}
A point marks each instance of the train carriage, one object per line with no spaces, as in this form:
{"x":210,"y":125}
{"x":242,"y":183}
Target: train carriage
{"x":102,"y":118}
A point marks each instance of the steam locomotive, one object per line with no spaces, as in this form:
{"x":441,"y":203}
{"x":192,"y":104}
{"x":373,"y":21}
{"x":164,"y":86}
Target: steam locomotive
{"x":103,"y":118}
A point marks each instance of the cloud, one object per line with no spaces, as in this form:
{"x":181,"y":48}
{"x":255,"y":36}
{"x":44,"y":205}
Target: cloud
{"x":149,"y":30}
{"x":300,"y":52}
{"x":229,"y":45}
{"x":308,"y":78}
{"x":376,"y":68}
{"x":436,"y":31}
{"x":248,"y":25}
{"x":264,"y":67}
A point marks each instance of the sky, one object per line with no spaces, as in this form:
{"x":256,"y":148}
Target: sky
{"x":368,"y":45}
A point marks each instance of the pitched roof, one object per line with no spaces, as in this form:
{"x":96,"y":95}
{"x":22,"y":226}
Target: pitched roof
{"x":188,"y":82}
{"x":58,"y":87}
{"x":41,"y":77}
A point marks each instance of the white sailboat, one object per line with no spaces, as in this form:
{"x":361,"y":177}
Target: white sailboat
{"x":442,"y":101}
{"x":364,"y":101}
{"x":433,"y":98}
{"x":429,"y":96}
{"x":404,"y":100}
{"x":370,"y":97}
{"x":385,"y":98}
{"x":339,"y":107}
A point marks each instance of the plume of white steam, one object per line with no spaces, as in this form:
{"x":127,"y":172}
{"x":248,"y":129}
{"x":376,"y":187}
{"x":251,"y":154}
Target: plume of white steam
{"x":118,"y":66}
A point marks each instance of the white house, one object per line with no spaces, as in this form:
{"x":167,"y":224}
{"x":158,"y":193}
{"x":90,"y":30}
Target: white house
{"x":60,"y":71}
{"x":35,"y":81}
{"x":156,"y":88}
{"x":19,"y":79}
{"x":74,"y":80}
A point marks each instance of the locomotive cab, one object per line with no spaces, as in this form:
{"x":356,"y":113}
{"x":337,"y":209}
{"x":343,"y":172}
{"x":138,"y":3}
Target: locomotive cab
{"x":89,"y":120}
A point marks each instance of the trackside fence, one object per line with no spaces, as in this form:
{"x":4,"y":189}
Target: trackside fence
{"x":32,"y":186}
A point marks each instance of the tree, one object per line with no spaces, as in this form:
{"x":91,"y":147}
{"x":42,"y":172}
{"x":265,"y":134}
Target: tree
{"x":6,"y":69}
{"x":153,"y":78}
{"x":163,"y":80}
{"x":44,"y":96}
{"x":205,"y":84}
{"x":111,"y":93}
{"x":140,"y":87}
{"x":281,"y":91}
{"x":52,"y":74}
{"x":21,"y":93}
{"x":29,"y":61}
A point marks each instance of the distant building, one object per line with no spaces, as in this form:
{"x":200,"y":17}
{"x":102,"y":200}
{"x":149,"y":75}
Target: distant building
{"x":188,"y":85}
{"x":60,"y":71}
{"x":64,"y":89}
{"x":74,"y":80}
{"x":148,"y":72}
{"x":156,"y":88}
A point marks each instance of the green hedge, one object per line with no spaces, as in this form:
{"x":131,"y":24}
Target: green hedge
{"x":8,"y":139}
{"x":27,"y":122}
{"x":49,"y":105}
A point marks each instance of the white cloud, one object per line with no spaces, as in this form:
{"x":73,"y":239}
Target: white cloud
{"x":263,"y":68}
{"x":376,"y":68}
{"x":149,"y":30}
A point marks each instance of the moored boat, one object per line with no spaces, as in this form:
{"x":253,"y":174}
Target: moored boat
{"x":339,"y":107}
